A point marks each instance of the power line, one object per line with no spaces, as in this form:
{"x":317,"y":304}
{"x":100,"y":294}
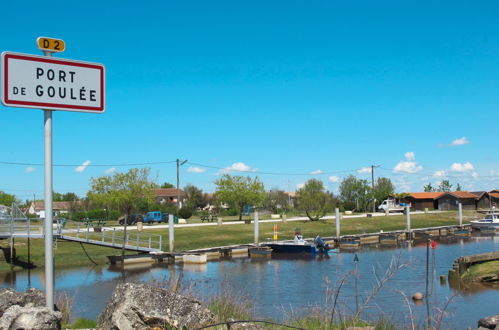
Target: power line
{"x":273,"y":173}
{"x":244,"y":171}
{"x":89,"y":165}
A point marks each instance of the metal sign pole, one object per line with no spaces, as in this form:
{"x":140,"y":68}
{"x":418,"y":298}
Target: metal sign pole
{"x":26,"y":82}
{"x":49,"y":255}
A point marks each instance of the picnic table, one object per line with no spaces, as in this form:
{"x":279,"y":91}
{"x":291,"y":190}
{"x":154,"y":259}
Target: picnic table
{"x":209,"y":218}
{"x":97,"y":224}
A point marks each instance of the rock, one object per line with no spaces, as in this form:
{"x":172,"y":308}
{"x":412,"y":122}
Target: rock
{"x":417,"y":296}
{"x":30,"y":318}
{"x":10,"y":297}
{"x":491,"y":322}
{"x":141,"y":306}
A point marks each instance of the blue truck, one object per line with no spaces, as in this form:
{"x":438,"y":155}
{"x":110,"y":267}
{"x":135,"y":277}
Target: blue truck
{"x":155,"y":216}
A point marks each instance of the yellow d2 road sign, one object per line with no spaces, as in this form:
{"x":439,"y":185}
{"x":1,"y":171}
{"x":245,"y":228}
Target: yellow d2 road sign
{"x":51,"y":44}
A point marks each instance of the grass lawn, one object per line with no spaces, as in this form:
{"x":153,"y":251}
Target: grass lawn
{"x":72,"y":254}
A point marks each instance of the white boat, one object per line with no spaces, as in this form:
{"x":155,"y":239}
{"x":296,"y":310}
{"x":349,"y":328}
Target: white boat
{"x":300,"y":245}
{"x":491,"y":220}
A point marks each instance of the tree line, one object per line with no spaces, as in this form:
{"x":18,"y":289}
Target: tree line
{"x":132,"y":192}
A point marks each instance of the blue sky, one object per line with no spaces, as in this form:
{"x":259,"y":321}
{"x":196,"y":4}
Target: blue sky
{"x":298,"y":89}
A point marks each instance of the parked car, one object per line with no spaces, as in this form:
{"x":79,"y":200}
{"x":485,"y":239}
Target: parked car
{"x":156,"y":216}
{"x":131,"y":220}
{"x":392,"y":206}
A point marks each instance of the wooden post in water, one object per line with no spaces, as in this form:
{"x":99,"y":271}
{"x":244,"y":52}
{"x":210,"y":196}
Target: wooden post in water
{"x":460,"y":214}
{"x":337,"y":222}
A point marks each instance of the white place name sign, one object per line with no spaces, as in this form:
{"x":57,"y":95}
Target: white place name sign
{"x":30,"y":81}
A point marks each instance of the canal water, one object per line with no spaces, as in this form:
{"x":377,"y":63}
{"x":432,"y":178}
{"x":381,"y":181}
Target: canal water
{"x":280,"y":287}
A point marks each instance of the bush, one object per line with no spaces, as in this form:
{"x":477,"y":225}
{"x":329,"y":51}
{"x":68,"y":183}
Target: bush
{"x":229,"y":212}
{"x":185,"y":213}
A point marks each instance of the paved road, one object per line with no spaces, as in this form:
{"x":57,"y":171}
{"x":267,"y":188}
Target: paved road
{"x":163,"y":226}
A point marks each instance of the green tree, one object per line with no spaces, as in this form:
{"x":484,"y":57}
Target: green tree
{"x":445,"y":186}
{"x":428,"y":187}
{"x":383,"y":188}
{"x":239,"y":191}
{"x":67,"y":197}
{"x":314,"y":200}
{"x":277,"y":201}
{"x":195,"y":197}
{"x":167,"y":185}
{"x":355,"y":193}
{"x":7,"y":199}
{"x":125,"y":192}
{"x":459,"y":188}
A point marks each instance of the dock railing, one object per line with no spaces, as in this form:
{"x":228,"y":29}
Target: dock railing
{"x":111,"y":237}
{"x":14,"y":223}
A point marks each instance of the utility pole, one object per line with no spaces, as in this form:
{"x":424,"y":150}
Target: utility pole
{"x":179,"y":163}
{"x":372,"y":183}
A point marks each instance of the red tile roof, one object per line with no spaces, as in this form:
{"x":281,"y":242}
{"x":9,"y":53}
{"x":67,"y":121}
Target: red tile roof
{"x":426,"y":195}
{"x":168,"y":192}
{"x":462,"y":194}
{"x":64,"y":206}
{"x":494,"y":194}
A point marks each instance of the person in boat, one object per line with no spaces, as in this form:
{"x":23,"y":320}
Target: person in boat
{"x":298,"y":237}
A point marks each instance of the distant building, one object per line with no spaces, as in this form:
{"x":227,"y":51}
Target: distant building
{"x":494,"y":197}
{"x":169,"y":195}
{"x":422,"y":200}
{"x":450,"y":201}
{"x":482,"y":200}
{"x":58,"y":208}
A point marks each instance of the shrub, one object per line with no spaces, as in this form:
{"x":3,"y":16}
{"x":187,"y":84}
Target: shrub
{"x":185,"y":213}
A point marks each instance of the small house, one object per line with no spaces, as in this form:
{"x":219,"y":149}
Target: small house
{"x":169,"y":195}
{"x":482,"y":200}
{"x":58,"y":208}
{"x":423,"y":200}
{"x":450,"y":201}
{"x":494,"y":197}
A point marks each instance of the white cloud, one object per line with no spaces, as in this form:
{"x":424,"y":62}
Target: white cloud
{"x":196,"y":169}
{"x":410,"y":155}
{"x":237,"y":167}
{"x":458,"y":167}
{"x":316,"y":172}
{"x":474,"y":174}
{"x":409,"y":165}
{"x":30,"y":169}
{"x":334,"y":179}
{"x":439,"y":174}
{"x":82,"y":167}
{"x":300,"y":185}
{"x":460,"y":142}
{"x":364,"y":170}
{"x":110,"y":170}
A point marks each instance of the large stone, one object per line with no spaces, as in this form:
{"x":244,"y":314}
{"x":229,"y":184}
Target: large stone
{"x":30,"y":318}
{"x":10,"y":297}
{"x":491,"y":322}
{"x":141,"y":306}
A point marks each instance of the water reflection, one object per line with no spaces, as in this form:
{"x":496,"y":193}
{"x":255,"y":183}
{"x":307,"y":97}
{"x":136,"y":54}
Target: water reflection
{"x":286,"y":282}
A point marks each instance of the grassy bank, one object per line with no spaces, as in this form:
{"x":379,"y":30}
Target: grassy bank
{"x":73,"y":254}
{"x":482,"y":270}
